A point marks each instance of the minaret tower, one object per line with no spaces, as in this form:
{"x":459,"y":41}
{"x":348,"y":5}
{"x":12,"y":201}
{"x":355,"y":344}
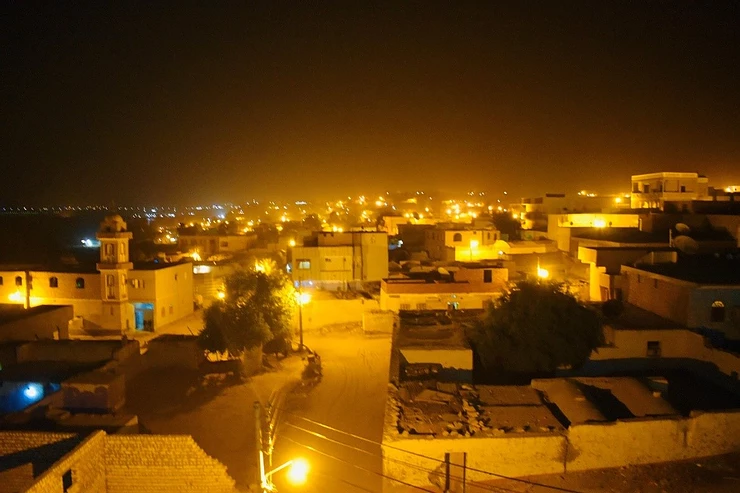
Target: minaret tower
{"x":117,"y":313}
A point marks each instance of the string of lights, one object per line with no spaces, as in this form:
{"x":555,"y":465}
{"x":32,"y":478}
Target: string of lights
{"x":481,"y":471}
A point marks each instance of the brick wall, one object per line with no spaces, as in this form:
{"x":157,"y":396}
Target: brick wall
{"x":85,"y":462}
{"x":162,"y":464}
{"x":108,"y":464}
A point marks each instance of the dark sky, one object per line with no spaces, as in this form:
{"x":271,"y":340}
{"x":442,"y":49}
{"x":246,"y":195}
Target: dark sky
{"x":186,"y":103}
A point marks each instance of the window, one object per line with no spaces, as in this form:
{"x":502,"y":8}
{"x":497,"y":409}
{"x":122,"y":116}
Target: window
{"x":109,"y":249}
{"x":109,"y":280}
{"x":488,"y":235}
{"x":135,"y":283}
{"x":457,"y":237}
{"x":163,"y":312}
{"x":80,"y":283}
{"x":653,"y":349}
{"x":635,"y":188}
{"x":225,"y":244}
{"x":175,"y":277}
{"x":304,"y":264}
{"x":488,"y":275}
{"x":421,"y":306}
{"x":646,"y":188}
{"x":171,"y":310}
{"x":53,"y":282}
{"x":718,"y":312}
{"x":683,"y":188}
{"x":67,"y":481}
{"x":18,"y":281}
{"x":655,"y":283}
{"x":405,"y":306}
{"x":1,"y":280}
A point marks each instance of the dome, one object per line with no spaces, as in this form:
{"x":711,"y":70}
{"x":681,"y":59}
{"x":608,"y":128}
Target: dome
{"x":113,"y":223}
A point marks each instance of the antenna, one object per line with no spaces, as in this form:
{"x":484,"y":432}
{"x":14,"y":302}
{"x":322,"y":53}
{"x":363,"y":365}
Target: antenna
{"x":683,"y":228}
{"x":686,"y":244}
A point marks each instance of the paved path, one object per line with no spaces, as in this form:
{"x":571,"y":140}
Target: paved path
{"x":350,"y":397}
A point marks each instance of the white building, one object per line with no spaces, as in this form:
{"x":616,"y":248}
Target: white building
{"x":113,"y":296}
{"x":653,"y":190}
{"x":462,"y":244}
{"x":340,"y":260}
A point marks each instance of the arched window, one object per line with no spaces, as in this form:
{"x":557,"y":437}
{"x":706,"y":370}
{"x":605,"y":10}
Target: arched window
{"x":19,"y":281}
{"x":718,"y":312}
{"x":457,"y":237}
{"x":53,"y":282}
{"x":80,"y":283}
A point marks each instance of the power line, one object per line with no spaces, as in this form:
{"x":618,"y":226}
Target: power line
{"x":399,"y":461}
{"x":344,"y":481}
{"x":358,"y":467}
{"x":374,"y":442}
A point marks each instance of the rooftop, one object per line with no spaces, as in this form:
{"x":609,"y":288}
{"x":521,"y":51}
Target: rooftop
{"x":635,"y":318}
{"x":589,"y":399}
{"x":10,"y":313}
{"x":717,"y":269}
{"x":456,"y":410}
{"x":428,"y":329}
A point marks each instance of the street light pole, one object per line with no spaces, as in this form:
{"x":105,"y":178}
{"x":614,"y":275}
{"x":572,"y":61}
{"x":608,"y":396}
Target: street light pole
{"x":300,"y":318}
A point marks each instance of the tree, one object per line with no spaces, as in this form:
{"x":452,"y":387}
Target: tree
{"x":536,"y":327}
{"x":257,"y":307}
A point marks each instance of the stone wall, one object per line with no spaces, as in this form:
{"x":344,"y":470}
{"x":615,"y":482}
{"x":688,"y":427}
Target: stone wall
{"x":22,"y":454}
{"x":320,"y":313}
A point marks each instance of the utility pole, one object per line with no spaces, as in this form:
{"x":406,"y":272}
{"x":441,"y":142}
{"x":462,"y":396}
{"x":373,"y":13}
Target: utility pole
{"x":258,"y":443}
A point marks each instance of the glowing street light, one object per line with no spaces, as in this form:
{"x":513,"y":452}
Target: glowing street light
{"x":473,"y":246}
{"x":291,"y":243}
{"x":221,"y":294}
{"x":543,"y":273}
{"x":297,"y":473}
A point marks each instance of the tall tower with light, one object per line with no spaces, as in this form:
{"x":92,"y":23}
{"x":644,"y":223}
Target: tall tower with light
{"x":117,"y":312}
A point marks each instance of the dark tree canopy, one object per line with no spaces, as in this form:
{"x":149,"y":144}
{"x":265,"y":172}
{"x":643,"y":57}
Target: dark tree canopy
{"x":257,"y":307}
{"x":536,"y":327}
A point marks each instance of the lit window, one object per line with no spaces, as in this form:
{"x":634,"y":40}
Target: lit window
{"x":718,"y":312}
{"x":53,"y":282}
{"x":80,"y":283}
{"x":304,"y":264}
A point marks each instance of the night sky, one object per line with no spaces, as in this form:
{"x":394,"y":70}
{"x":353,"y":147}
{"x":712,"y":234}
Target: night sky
{"x":186,"y":103}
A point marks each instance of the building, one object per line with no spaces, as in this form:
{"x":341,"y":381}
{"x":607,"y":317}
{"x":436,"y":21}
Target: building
{"x":450,"y":243}
{"x":114,"y":295}
{"x":698,"y":292}
{"x":653,"y":190}
{"x":340,"y":260}
{"x":38,"y":462}
{"x":41,"y":322}
{"x":533,"y":211}
{"x":560,"y":227}
{"x":208,"y":245}
{"x":467,"y":287}
{"x":430,"y":345}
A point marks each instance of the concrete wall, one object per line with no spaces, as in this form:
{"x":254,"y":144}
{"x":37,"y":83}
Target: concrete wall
{"x":434,"y":301}
{"x":320,"y":313}
{"x":378,"y":321}
{"x":168,"y":351}
{"x":581,"y":447}
{"x":43,"y":324}
{"x":674,"y":343}
{"x":666,"y":297}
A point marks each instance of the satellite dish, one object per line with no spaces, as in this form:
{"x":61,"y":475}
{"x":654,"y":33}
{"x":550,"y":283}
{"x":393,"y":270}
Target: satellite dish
{"x":683,"y":228}
{"x":686,"y":244}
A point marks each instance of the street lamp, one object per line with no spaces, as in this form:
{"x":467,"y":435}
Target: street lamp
{"x":542,"y":273}
{"x":473,"y":245}
{"x":302,"y":299}
{"x":297,"y":473}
